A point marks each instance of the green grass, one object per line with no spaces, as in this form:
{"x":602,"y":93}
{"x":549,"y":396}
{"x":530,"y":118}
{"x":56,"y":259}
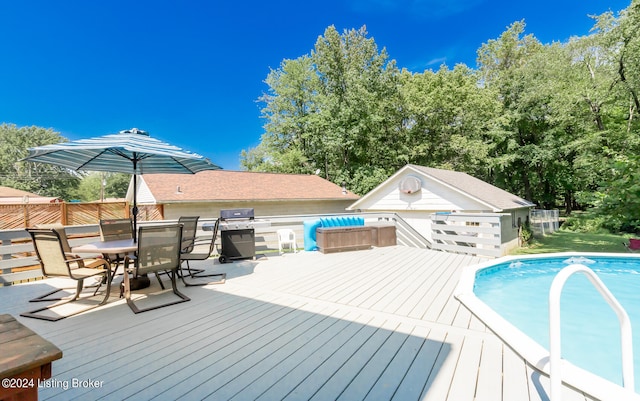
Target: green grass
{"x":569,"y":241}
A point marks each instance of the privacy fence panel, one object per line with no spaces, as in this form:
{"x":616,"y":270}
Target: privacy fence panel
{"x":28,"y":215}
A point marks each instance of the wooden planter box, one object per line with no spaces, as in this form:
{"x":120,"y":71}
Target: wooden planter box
{"x":339,"y":239}
{"x":383,"y":234}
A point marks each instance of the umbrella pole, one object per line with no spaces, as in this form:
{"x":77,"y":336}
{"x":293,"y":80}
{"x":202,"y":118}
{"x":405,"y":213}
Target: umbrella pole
{"x":135,"y":201}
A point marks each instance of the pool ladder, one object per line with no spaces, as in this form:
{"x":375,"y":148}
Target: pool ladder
{"x":555,"y":368}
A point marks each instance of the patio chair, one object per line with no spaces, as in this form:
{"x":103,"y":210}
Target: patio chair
{"x":633,"y":245}
{"x":185,"y":257}
{"x":189,"y":228}
{"x":114,"y":230}
{"x":287,"y":237}
{"x":62,"y":234}
{"x":158,"y":251}
{"x":55,"y":262}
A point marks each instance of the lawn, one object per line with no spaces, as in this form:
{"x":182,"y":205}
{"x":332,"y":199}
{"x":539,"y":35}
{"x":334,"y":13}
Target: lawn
{"x":567,"y":241}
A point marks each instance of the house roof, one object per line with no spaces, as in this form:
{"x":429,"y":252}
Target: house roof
{"x":225,"y":185}
{"x":495,"y":198}
{"x":7,"y":192}
{"x":483,"y":191}
{"x":15,"y":196}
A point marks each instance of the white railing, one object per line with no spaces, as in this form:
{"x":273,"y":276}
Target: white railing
{"x":555,"y":367}
{"x":544,"y":222}
{"x":469,"y":233}
{"x":16,"y":250}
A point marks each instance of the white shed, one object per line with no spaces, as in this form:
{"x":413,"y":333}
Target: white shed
{"x":416,"y":193}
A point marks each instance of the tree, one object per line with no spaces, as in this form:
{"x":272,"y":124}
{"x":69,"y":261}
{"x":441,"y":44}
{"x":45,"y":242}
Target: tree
{"x":40,"y":178}
{"x":335,"y":112}
{"x":448,"y":117}
{"x":100,"y":185}
{"x":622,"y":35}
{"x":289,"y":108}
{"x":554,"y":123}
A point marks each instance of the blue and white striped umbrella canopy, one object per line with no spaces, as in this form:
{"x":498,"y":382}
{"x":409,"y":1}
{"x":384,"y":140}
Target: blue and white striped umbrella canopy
{"x":132,"y":151}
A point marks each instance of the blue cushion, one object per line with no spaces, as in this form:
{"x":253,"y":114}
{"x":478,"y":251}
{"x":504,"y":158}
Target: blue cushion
{"x":310,"y":234}
{"x":342,"y":221}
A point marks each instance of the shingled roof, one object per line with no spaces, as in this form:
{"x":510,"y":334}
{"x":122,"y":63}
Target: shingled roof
{"x":6,"y":192}
{"x":225,"y":185}
{"x":498,"y":198}
{"x":494,"y":198}
{"x":10,"y":195}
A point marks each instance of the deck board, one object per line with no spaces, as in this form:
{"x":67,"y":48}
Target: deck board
{"x":489,"y":386}
{"x":342,"y":379}
{"x":515,"y":382}
{"x":467,"y":367}
{"x":380,"y":324}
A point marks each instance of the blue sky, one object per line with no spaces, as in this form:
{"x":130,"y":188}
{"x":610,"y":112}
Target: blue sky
{"x":190,"y":72}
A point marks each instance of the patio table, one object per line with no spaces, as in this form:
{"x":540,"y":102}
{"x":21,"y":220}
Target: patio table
{"x":107,"y":247}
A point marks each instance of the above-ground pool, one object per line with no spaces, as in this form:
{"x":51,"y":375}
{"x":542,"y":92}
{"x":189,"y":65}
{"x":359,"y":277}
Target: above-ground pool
{"x":511,"y":295}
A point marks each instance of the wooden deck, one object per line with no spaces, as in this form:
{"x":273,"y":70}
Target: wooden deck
{"x":379,"y":324}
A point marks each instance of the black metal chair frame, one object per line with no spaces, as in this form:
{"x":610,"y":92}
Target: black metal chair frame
{"x":199,"y":273}
{"x":55,"y":262}
{"x":158,"y":251}
{"x":189,"y":230}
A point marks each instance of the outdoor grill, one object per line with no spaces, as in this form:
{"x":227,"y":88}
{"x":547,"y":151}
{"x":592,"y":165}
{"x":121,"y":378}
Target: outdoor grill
{"x":237,"y":234}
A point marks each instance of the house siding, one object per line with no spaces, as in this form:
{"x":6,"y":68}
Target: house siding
{"x":211,"y":209}
{"x":433,"y":197}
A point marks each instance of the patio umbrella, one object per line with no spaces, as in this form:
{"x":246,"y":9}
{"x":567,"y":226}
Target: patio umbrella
{"x":131,"y":151}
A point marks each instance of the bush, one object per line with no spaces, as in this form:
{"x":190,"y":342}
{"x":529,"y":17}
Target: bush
{"x":585,"y":223}
{"x":525,"y":233}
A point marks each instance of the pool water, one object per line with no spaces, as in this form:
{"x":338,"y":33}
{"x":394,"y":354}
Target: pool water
{"x":519,"y":292}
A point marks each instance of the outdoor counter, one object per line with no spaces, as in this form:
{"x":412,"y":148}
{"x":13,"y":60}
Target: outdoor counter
{"x":25,"y":360}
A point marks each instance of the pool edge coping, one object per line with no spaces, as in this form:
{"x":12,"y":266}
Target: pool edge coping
{"x":523,"y":345}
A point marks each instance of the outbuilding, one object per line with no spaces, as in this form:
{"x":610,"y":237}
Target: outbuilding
{"x":429,"y":197}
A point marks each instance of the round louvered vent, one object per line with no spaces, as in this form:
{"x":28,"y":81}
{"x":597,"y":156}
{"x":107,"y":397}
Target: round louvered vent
{"x":410,"y":185}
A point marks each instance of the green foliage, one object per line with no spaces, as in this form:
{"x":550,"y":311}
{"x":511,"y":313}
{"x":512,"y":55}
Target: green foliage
{"x":620,"y":196}
{"x":526,"y":234}
{"x":585,"y":222}
{"x":45,"y":179}
{"x":332,"y":112}
{"x":42,"y":179}
{"x":95,"y":186}
{"x":568,"y":241}
{"x":557,"y":124}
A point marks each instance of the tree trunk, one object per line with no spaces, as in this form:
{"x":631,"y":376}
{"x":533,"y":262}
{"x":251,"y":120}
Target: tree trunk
{"x":568,"y":202}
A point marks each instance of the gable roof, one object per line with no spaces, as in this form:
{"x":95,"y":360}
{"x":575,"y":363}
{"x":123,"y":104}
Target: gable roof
{"x":493,"y":197}
{"x":10,"y":195}
{"x":483,"y":191}
{"x":6,"y":192}
{"x":225,"y":185}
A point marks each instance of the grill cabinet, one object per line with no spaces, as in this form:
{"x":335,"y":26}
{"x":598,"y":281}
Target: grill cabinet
{"x":237,"y":235}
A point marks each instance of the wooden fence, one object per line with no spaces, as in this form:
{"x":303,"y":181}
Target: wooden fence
{"x":71,"y":214}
